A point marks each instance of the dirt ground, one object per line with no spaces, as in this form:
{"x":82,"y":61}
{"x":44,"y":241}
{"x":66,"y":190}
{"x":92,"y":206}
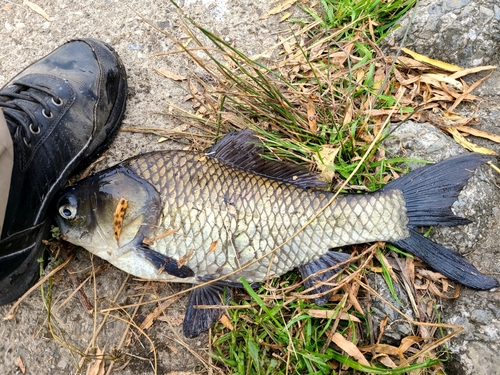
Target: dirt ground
{"x":26,"y":36}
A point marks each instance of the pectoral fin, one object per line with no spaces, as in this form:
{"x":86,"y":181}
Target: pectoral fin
{"x":164,"y":263}
{"x":314,"y":277}
{"x":199,"y":320}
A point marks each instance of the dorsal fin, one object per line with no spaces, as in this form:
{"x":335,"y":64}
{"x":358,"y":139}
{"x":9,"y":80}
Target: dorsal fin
{"x":242,"y":150}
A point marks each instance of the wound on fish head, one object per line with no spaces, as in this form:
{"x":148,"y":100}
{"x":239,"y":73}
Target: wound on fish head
{"x":87,"y":212}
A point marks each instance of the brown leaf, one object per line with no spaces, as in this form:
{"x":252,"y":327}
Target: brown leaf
{"x":226,"y":322}
{"x":436,"y":63}
{"x":153,"y":315}
{"x":121,"y":207}
{"x":459,"y":138}
{"x":352,"y":290}
{"x":382,"y":325}
{"x":7,"y":7}
{"x":383,"y":349}
{"x":97,"y":368}
{"x":20,"y":364}
{"x":279,"y":8}
{"x":324,"y":159}
{"x":479,"y":133}
{"x":348,"y":114}
{"x":168,"y":74}
{"x":471,"y":71}
{"x":435,"y":290}
{"x":37,"y":9}
{"x":311,"y":114}
{"x":213,"y":246}
{"x":408,"y":342}
{"x":168,"y":232}
{"x":328,"y":314}
{"x":185,"y":259}
{"x":385,"y":360}
{"x":349,"y":348}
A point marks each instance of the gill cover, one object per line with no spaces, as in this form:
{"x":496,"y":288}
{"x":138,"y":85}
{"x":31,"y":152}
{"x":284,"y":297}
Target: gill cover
{"x":85,"y":211}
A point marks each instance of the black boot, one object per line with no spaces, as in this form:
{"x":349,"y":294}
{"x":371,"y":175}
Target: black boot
{"x":60,"y":111}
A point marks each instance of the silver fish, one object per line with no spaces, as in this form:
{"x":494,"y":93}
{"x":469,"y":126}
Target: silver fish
{"x":228,"y":213}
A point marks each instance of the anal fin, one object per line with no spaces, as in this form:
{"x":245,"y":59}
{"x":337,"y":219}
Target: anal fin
{"x":199,"y":320}
{"x":311,"y":273}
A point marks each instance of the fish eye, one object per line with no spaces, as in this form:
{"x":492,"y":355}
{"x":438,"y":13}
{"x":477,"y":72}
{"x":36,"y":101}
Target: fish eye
{"x":67,"y":209}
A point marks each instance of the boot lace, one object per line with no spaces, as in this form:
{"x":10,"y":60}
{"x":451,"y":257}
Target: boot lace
{"x":11,"y":102}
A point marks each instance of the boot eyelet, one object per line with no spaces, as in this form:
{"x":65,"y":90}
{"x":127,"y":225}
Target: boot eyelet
{"x":57,"y":101}
{"x":47,"y":115}
{"x":28,"y":144}
{"x":33,"y":130}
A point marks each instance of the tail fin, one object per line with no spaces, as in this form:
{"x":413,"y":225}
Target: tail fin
{"x":429,"y":193}
{"x":446,"y":262}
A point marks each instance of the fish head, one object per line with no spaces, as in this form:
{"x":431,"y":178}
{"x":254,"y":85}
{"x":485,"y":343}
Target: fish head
{"x":87,"y":211}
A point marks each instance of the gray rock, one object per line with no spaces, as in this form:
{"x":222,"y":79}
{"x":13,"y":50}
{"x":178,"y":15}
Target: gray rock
{"x":397,"y":326}
{"x":466,"y":33}
{"x":477,"y":311}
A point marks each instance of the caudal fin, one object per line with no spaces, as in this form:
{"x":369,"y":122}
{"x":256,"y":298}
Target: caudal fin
{"x":447,"y":262}
{"x":429,"y":193}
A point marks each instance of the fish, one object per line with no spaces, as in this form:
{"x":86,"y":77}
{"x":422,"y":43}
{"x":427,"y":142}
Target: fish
{"x":216,"y":217}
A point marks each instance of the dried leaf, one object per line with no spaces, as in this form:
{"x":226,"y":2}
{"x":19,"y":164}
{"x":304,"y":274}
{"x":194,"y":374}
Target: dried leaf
{"x":185,"y":258}
{"x":383,"y":349}
{"x":348,"y":114}
{"x":279,"y":8}
{"x":328,"y":314}
{"x":153,"y":315}
{"x":385,"y":360}
{"x":459,"y":138}
{"x":168,"y":232}
{"x":435,"y":290}
{"x":97,"y":368}
{"x":37,"y":9}
{"x":382,"y":325}
{"x":168,"y":74}
{"x":349,"y":348}
{"x":324,"y":160}
{"x":436,"y":78}
{"x":311,"y":114}
{"x":7,"y":7}
{"x":471,"y":71}
{"x":408,"y":342}
{"x":20,"y":364}
{"x":172,"y":348}
{"x":479,"y":133}
{"x":213,"y":246}
{"x":226,"y":322}
{"x":436,"y":63}
{"x":174,"y":320}
{"x":352,"y":291}
{"x":120,"y":210}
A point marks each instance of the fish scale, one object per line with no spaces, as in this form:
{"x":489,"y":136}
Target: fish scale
{"x":248,"y":216}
